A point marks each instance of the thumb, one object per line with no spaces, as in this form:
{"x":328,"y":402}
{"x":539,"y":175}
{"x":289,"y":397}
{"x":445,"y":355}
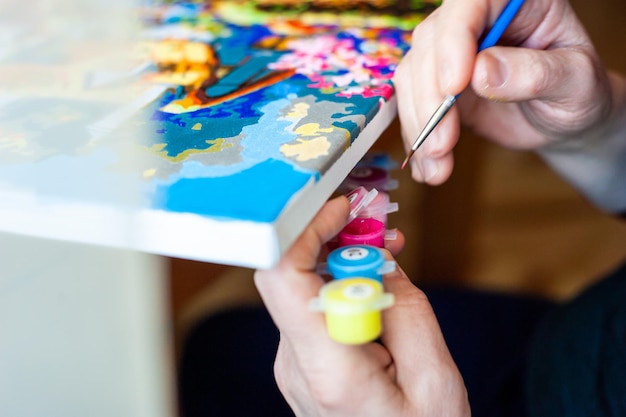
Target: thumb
{"x":287,"y":288}
{"x":518,"y":74}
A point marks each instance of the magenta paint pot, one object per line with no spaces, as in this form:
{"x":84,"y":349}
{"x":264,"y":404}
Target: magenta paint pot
{"x":363,"y":232}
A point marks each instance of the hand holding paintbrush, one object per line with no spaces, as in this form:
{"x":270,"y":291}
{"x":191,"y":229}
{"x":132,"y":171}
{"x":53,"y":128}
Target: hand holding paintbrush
{"x":542,"y":87}
{"x":498,"y":28}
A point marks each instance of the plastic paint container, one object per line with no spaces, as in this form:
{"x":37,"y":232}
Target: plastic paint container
{"x":369,"y":177}
{"x":378,"y":208}
{"x":359,"y":199}
{"x":352,"y":307}
{"x":379,"y":159}
{"x":358,"y":261}
{"x":363,"y":232}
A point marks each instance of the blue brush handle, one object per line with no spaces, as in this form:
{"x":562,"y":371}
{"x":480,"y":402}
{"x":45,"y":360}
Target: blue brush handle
{"x":501,"y":23}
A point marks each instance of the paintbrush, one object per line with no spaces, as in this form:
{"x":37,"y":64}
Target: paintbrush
{"x":494,"y":34}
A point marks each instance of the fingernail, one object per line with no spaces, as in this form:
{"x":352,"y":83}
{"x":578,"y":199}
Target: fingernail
{"x":431,"y":167}
{"x":496,"y":72}
{"x":391,"y":234}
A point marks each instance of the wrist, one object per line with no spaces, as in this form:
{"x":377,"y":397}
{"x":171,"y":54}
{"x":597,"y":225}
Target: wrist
{"x":594,"y":161}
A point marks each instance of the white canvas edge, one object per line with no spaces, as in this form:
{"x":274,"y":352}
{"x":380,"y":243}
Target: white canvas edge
{"x":305,"y":205}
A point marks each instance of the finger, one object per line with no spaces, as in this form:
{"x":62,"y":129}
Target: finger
{"x":291,"y":381}
{"x":325,"y":383}
{"x":558,"y":91}
{"x":287,"y":289}
{"x":396,"y":245}
{"x":417,"y":100}
{"x":414,"y":339}
{"x":411,"y":330}
{"x":520,"y":74}
{"x":458,"y":27}
{"x":416,"y":95}
{"x":434,"y":171}
{"x":406,"y":82}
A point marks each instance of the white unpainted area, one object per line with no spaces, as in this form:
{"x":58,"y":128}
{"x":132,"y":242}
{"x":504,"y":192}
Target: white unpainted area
{"x":83,"y":328}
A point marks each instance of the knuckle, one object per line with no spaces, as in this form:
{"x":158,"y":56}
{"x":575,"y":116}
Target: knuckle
{"x":544,"y":76}
{"x":414,"y":296}
{"x":328,"y":397}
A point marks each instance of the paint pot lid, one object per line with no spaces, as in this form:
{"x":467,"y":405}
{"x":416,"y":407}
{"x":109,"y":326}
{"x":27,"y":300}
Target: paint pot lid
{"x":352,"y":296}
{"x":379,"y":206}
{"x":359,"y":199}
{"x":353,"y":259}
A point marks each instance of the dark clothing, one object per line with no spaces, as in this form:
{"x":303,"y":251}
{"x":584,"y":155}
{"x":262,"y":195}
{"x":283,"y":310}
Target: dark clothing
{"x":577,"y":360}
{"x":226,"y":367}
{"x":518,"y":356}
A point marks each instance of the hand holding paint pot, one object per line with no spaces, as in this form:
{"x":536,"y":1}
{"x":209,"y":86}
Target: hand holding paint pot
{"x":319,"y":376}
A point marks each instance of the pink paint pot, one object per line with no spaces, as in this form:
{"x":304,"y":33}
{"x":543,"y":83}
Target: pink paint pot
{"x":363,"y":232}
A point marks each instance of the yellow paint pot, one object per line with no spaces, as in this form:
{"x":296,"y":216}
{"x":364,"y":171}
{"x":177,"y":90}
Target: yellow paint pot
{"x":352,"y":307}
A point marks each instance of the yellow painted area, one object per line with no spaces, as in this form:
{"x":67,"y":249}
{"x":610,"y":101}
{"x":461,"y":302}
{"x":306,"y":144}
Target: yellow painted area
{"x":13,"y":143}
{"x":312,"y":129}
{"x":176,"y":52}
{"x":176,"y":108}
{"x":181,"y":62}
{"x":149,"y":173}
{"x":197,"y":126}
{"x":217,"y":145}
{"x":158,"y":147}
{"x":299,"y":111}
{"x":306,"y":150}
{"x":347,"y":139}
{"x":179,"y":78}
{"x":197,"y":52}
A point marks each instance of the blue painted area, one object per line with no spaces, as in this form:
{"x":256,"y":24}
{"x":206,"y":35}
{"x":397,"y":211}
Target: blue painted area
{"x":263,"y":140}
{"x":182,"y":11}
{"x":254,"y":68}
{"x":242,"y":196}
{"x":222,"y":121}
{"x":263,"y":176}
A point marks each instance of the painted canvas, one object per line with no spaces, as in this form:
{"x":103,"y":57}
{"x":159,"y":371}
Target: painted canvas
{"x":249,"y":115}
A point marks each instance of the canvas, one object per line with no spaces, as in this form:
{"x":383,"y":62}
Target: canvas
{"x":244,"y":118}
